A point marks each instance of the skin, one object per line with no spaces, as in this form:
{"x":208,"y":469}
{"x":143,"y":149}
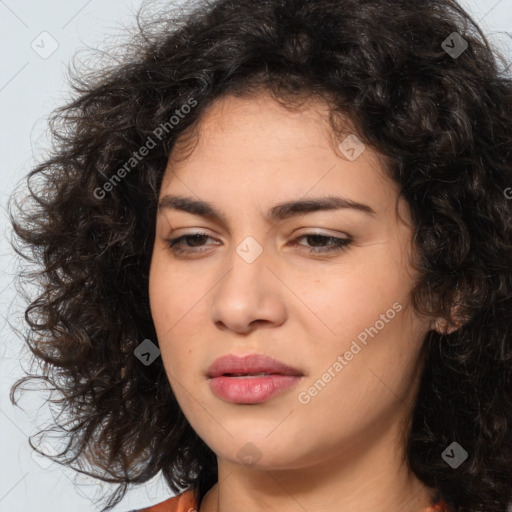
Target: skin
{"x":343,"y":450}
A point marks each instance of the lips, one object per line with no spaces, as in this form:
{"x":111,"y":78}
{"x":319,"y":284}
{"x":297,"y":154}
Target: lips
{"x":251,"y":379}
{"x":252,"y":364}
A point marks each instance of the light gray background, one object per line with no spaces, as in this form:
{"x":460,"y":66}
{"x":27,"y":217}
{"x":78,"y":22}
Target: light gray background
{"x":30,"y":87}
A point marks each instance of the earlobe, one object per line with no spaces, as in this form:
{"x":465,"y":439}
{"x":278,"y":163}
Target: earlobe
{"x":441,"y":326}
{"x":459,"y":317}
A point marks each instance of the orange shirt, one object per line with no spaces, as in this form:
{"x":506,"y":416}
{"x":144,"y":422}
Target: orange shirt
{"x":185,"y":502}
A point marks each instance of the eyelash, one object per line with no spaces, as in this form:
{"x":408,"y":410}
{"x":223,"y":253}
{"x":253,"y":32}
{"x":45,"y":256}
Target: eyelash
{"x":341,"y":243}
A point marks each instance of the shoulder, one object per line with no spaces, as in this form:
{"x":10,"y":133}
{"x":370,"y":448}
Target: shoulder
{"x":184,"y":502}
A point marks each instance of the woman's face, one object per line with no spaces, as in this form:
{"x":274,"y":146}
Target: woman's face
{"x":269,"y":285}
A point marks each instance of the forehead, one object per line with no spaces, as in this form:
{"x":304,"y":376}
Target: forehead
{"x":258,"y":122}
{"x":255,"y":148}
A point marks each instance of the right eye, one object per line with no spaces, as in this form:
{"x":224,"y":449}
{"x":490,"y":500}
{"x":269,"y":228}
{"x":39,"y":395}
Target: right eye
{"x":176,"y":244}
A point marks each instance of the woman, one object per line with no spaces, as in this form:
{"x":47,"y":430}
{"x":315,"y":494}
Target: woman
{"x":276,"y":260}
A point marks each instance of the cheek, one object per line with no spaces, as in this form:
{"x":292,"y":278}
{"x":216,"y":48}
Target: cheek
{"x":170,"y":296}
{"x":174,"y":307}
{"x":348,"y":301}
{"x":363,"y":315}
{"x":164,"y":312}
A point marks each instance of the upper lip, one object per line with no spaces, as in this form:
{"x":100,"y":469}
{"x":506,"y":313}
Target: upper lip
{"x":248,"y":365}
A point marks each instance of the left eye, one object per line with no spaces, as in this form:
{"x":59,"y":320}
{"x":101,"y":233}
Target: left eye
{"x":338,"y":244}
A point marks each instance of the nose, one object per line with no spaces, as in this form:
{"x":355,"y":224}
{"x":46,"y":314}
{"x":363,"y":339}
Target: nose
{"x":249,"y":295}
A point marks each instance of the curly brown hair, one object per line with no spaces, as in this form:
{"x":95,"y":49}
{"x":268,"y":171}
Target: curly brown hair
{"x":443,"y":122}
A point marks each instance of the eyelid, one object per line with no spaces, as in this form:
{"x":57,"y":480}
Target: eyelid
{"x":297,"y":233}
{"x":321,"y":232}
{"x":341,"y":244}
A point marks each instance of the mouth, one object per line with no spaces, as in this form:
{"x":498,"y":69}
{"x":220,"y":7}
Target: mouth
{"x":251,"y":379}
{"x":250,"y":365}
{"x":248,"y":375}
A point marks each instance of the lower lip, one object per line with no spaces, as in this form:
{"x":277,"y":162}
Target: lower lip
{"x":251,"y":390}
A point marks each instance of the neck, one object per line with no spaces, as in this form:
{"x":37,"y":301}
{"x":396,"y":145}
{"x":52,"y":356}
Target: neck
{"x":357,"y":479}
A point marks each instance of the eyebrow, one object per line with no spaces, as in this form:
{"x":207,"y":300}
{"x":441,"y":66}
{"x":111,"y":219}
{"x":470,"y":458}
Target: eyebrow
{"x":278,"y":212}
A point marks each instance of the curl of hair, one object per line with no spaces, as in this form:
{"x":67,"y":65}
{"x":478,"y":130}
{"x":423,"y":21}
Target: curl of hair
{"x":443,"y":124}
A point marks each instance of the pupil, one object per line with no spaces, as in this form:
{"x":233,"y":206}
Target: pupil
{"x":316,"y":238}
{"x":196,"y":239}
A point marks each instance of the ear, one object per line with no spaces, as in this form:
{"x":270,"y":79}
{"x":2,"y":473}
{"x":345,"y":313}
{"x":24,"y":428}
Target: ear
{"x":440,"y":325}
{"x":445,"y":326}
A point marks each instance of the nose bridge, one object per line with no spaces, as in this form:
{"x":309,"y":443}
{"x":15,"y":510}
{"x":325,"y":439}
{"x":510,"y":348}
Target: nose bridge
{"x":247,"y":269}
{"x":244,"y":294}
